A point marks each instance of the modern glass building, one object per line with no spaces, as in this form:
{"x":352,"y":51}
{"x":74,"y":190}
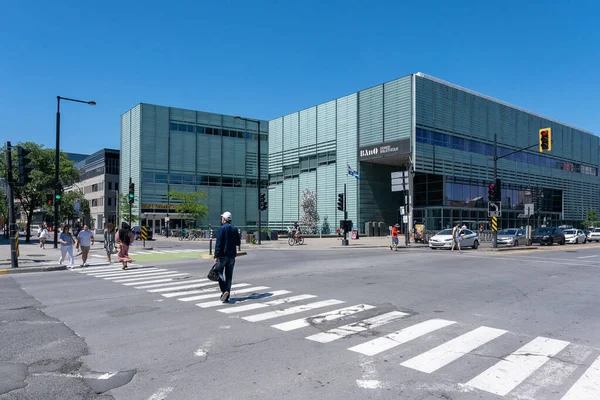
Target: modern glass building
{"x":165,"y":148}
{"x":444,"y":136}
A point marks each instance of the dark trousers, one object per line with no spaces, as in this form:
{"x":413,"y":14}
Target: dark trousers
{"x":226,"y":265}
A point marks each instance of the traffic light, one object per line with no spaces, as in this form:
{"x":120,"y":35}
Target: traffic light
{"x":131,"y":193}
{"x":49,"y":199}
{"x":491,"y":193}
{"x":25,"y":166}
{"x":498,"y":190}
{"x":545,"y":140}
{"x":58,"y":192}
{"x":262,"y":204}
{"x":341,"y":201}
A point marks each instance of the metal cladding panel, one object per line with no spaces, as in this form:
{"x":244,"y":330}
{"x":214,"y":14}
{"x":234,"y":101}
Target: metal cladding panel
{"x":308,"y":127}
{"x":275,"y":210}
{"x":135,"y":166}
{"x":347,"y":150}
{"x":290,"y":201}
{"x":215,"y":154}
{"x":326,"y":122}
{"x":308,"y":180}
{"x":233,"y":201}
{"x":125,"y":157}
{"x":214,"y":205}
{"x":479,"y":118}
{"x":203,"y":118}
{"x":370,"y":110}
{"x":276,"y":135}
{"x":188,"y":155}
{"x":154,"y":137}
{"x":233,"y":160}
{"x":508,"y":125}
{"x":290,"y":132}
{"x":176,"y":151}
{"x":462,"y":112}
{"x":523,"y":133}
{"x":397,"y":103}
{"x":576,"y":137}
{"x":327,"y":196}
{"x":443,"y":107}
{"x":494,"y":121}
{"x":203,"y":153}
{"x":425,"y":102}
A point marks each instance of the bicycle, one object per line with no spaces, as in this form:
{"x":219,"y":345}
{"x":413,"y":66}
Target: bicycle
{"x":296,"y":239}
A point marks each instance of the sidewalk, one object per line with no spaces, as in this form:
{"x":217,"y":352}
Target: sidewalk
{"x":364,"y":242}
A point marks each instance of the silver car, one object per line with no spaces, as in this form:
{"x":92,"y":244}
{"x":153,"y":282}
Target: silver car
{"x":443,"y":239}
{"x":575,"y":236}
{"x":511,"y":237}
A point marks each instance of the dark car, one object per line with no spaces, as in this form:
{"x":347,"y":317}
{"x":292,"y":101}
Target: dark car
{"x":548,"y":236}
{"x":137,"y":231}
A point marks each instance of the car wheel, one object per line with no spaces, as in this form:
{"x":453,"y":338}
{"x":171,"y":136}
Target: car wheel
{"x":475,"y":245}
{"x":585,"y":241}
{"x":516,"y":243}
{"x":577,"y":241}
{"x":563,"y":242}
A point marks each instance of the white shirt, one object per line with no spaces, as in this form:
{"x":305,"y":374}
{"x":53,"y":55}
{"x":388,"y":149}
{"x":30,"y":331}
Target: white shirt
{"x":44,"y":234}
{"x":85,"y":238}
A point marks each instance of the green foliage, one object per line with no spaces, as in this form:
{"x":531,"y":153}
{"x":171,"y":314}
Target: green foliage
{"x":33,"y":195}
{"x":190,"y":206}
{"x":67,"y":207}
{"x":3,"y":206}
{"x":124,"y":209}
{"x":592,"y":219}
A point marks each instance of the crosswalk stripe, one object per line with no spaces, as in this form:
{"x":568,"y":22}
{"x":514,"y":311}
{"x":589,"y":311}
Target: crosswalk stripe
{"x":170,"y":284}
{"x":136,"y":274}
{"x":197,"y":291}
{"x":402,"y":336}
{"x":205,"y":290}
{"x":254,"y":306}
{"x":208,"y":296}
{"x":320,"y":318}
{"x":176,"y":288}
{"x":444,"y":354}
{"x":504,"y":376}
{"x":220,"y":303}
{"x":356,"y":327}
{"x":148,"y":282}
{"x":97,"y":256}
{"x":172,"y":274}
{"x":588,"y":385}
{"x":292,"y":310}
{"x":142,"y":253}
{"x":122,"y":272}
{"x":99,"y":269}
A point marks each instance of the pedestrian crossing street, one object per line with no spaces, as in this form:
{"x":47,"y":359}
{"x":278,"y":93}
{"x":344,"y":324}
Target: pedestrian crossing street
{"x":259,"y":304}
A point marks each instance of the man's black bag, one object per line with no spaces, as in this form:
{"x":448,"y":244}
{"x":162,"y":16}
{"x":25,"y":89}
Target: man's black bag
{"x":213,"y":275}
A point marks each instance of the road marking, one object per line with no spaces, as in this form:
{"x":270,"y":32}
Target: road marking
{"x":588,"y":256}
{"x":122,"y":272}
{"x":320,"y":318}
{"x":507,"y":374}
{"x":208,"y":296}
{"x":369,"y":384}
{"x":220,"y":303}
{"x":356,"y":327}
{"x":292,"y":310}
{"x":97,"y":256}
{"x":137,"y":253}
{"x":402,"y":336}
{"x":170,"y":289}
{"x":452,"y":350}
{"x":209,"y":289}
{"x":144,"y":275}
{"x":174,"y":283}
{"x":588,"y":386}
{"x":97,"y":270}
{"x":161,"y":394}
{"x":161,"y":275}
{"x":253,"y":306}
{"x":148,"y":282}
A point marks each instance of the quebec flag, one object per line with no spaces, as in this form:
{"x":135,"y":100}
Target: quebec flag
{"x":352,"y":172}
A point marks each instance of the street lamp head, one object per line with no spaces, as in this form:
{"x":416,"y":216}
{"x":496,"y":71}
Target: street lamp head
{"x":91,"y":103}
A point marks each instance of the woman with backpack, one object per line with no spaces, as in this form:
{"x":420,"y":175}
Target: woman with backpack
{"x":124,"y":238}
{"x":109,"y":241}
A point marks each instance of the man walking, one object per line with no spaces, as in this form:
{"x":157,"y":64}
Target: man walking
{"x":85,"y":239}
{"x":228,"y":239}
{"x":394,"y":245}
{"x":456,"y":237}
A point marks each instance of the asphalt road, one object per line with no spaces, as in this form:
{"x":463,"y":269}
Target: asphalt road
{"x":329,"y":324}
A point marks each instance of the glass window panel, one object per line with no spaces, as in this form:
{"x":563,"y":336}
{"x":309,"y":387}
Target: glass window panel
{"x":176,"y":178}
{"x":200,"y":129}
{"x":214,"y":181}
{"x":473,"y":146}
{"x":436,"y":138}
{"x":189,"y":179}
{"x":225,"y":132}
{"x":240,"y":134}
{"x":216,"y":131}
{"x":182,"y":127}
{"x":160,"y":178}
{"x":173,"y":126}
{"x":489,"y":150}
{"x":147,"y":177}
{"x":227,"y":181}
{"x":191,"y":128}
{"x":209,"y":131}
{"x":458,"y":143}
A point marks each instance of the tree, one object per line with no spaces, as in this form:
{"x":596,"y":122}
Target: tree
{"x":33,"y":195}
{"x":592,"y":219}
{"x":190,"y":206}
{"x":310,"y":217}
{"x":67,"y":207}
{"x":124,"y":209}
{"x":3,"y":207}
{"x":325,"y":229}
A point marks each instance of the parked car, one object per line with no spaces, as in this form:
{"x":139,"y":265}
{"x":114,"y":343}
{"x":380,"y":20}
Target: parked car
{"x":548,"y":236}
{"x":575,"y":236}
{"x":511,"y":237}
{"x":594,"y":235}
{"x":443,"y":239}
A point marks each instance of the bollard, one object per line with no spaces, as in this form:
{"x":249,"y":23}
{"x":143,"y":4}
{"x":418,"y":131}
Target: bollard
{"x":210,"y":240}
{"x":240,"y":236}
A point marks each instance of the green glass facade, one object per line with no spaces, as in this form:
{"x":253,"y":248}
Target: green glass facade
{"x":446,"y":133}
{"x":165,"y":148}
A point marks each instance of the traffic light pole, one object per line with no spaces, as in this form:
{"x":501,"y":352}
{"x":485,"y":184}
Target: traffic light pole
{"x":345,"y":241}
{"x":57,"y":160}
{"x":12,"y":224}
{"x":258,"y":185}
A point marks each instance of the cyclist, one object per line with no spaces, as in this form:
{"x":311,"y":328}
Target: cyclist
{"x":297,"y":232}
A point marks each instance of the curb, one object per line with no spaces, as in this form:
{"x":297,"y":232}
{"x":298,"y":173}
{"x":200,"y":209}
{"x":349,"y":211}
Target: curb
{"x":210,"y":257}
{"x":22,"y":270}
{"x":501,"y":249}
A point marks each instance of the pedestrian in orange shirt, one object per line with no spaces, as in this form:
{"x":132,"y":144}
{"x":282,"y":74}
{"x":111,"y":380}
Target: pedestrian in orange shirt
{"x":394,"y":245}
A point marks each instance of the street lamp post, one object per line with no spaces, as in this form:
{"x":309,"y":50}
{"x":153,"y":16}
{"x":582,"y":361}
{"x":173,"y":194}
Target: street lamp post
{"x":57,"y":155}
{"x":258,"y":171}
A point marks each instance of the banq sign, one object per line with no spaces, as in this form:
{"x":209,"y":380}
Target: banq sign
{"x":384,"y":149}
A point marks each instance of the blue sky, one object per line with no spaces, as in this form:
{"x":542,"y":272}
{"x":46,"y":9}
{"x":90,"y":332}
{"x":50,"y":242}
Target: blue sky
{"x":264,"y":59}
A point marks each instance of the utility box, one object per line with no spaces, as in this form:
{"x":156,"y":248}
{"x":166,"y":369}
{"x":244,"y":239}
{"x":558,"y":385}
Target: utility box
{"x":369,"y":228}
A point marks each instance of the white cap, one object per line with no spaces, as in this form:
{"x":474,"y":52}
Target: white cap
{"x":226,"y":215}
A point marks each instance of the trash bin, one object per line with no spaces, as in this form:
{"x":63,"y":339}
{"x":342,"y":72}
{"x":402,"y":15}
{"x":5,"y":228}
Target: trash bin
{"x":274,"y":235}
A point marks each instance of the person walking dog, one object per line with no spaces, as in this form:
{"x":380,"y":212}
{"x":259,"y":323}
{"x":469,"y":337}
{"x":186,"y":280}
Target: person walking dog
{"x":228,"y":239}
